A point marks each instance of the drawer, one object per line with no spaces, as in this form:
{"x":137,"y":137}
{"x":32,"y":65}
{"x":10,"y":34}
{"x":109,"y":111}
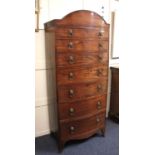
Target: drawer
{"x":71,"y":59}
{"x":83,"y":108}
{"x":97,"y":33}
{"x":73,"y":45}
{"x":80,"y":128}
{"x":80,"y":91}
{"x":78,"y":74}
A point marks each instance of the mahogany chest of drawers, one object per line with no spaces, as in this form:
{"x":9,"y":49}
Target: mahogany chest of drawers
{"x":80,"y":42}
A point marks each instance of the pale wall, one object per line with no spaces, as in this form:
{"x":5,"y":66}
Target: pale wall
{"x":44,"y":93}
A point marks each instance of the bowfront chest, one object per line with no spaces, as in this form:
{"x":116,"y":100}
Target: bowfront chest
{"x":80,"y":42}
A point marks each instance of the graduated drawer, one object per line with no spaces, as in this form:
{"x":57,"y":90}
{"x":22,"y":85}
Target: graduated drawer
{"x":82,"y":108}
{"x":76,"y":45}
{"x":71,"y":59}
{"x":78,"y":74}
{"x":97,"y":33}
{"x":81,"y":128}
{"x":80,"y":91}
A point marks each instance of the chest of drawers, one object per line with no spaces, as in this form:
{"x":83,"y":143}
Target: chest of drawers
{"x":80,"y":42}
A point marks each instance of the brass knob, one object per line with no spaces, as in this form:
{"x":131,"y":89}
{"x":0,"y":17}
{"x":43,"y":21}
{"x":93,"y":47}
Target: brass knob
{"x":71,"y":111}
{"x":99,"y":72}
{"x":71,"y":59}
{"x":70,"y":75}
{"x":97,"y":120}
{"x":70,"y":45}
{"x":100,"y":34}
{"x":100,"y":45}
{"x":98,"y":104}
{"x":100,"y":58}
{"x":72,"y":129}
{"x":99,"y":87}
{"x":70,"y":32}
{"x":71,"y":93}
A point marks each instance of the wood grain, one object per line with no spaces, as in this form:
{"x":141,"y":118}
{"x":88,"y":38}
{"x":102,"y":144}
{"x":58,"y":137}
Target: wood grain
{"x":81,"y":108}
{"x":81,"y":90}
{"x":62,"y":45}
{"x":81,"y":58}
{"x":84,"y":74}
{"x":81,"y":127}
{"x":89,"y":33}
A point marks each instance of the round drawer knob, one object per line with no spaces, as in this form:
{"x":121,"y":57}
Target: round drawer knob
{"x":97,"y":120}
{"x":100,"y":45}
{"x":71,"y":93}
{"x":70,"y":32}
{"x":99,"y":87}
{"x":70,"y":45}
{"x":70,"y":75}
{"x":98,"y":104}
{"x":71,"y":59}
{"x":71,"y":111}
{"x":99,"y":72}
{"x":72,"y":129}
{"x":100,"y":34}
{"x":100,"y":58}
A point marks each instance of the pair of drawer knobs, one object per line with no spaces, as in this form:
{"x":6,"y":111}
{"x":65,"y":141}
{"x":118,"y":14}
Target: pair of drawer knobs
{"x":72,"y":110}
{"x":72,"y":128}
{"x":72,"y":91}
{"x":71,"y":74}
{"x":70,"y":45}
{"x":100,"y":33}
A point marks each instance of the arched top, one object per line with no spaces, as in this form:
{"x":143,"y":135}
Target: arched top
{"x":80,"y":13}
{"x":80,"y":18}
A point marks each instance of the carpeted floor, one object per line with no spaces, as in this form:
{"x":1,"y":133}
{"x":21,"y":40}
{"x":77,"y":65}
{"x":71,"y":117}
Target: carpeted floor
{"x":95,"y":145}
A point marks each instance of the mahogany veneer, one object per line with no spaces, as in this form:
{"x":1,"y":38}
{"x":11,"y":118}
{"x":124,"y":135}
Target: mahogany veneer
{"x":80,"y":42}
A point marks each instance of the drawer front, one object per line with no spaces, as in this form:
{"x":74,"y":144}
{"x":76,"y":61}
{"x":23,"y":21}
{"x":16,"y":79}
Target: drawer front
{"x":80,"y":91}
{"x":72,"y":59}
{"x":97,"y":33}
{"x":81,"y":127}
{"x":78,"y":74}
{"x":82,"y":108}
{"x":72,"y":45}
